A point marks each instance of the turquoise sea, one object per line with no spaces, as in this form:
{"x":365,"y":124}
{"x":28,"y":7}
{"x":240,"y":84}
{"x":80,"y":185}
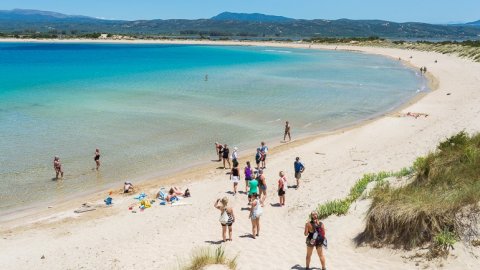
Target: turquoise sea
{"x":150,"y":110}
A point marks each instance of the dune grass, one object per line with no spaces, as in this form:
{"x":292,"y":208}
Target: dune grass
{"x":340,"y":206}
{"x":423,"y":212}
{"x":203,"y":257}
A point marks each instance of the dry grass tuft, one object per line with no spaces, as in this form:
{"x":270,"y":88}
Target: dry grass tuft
{"x":203,"y":257}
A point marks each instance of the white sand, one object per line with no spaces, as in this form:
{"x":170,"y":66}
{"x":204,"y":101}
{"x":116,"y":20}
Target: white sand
{"x":162,"y":236}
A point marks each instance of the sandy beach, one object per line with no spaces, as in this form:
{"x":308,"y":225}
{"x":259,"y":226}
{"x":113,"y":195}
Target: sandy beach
{"x":163,"y":236}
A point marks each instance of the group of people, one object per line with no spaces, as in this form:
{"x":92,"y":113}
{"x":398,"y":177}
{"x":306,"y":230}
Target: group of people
{"x":57,"y":165}
{"x":423,"y":70}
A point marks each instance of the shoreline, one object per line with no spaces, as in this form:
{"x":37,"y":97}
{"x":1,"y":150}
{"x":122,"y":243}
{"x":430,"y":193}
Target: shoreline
{"x":189,"y":173}
{"x":163,"y":236}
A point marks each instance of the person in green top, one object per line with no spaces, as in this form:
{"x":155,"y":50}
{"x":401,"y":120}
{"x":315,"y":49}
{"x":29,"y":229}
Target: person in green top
{"x":253,"y":184}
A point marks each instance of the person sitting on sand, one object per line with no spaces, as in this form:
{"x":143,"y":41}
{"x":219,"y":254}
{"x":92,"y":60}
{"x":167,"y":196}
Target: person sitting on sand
{"x":57,"y":165}
{"x":315,"y":232}
{"x":255,"y":213}
{"x":416,"y":115}
{"x":227,"y":217}
{"x":127,"y":187}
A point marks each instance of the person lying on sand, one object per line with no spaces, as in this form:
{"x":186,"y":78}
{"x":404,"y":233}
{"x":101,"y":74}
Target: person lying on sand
{"x":174,"y":192}
{"x":412,"y":114}
{"x":128,"y":187}
{"x":416,"y":115}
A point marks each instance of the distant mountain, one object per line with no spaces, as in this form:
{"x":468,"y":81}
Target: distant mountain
{"x":38,"y":15}
{"x":229,"y":25}
{"x":477,"y":23}
{"x":250,"y":17}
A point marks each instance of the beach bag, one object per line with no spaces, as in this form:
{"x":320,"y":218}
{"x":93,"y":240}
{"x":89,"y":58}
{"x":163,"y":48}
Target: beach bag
{"x":258,"y":210}
{"x":224,"y":217}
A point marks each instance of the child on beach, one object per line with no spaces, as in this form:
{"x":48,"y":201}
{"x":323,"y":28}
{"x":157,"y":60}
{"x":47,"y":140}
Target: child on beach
{"x":227,"y":218}
{"x":248,"y":176}
{"x":282,"y":187}
{"x":235,"y":177}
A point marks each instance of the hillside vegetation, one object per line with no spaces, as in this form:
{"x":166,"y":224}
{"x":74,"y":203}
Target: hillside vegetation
{"x":424,"y":212}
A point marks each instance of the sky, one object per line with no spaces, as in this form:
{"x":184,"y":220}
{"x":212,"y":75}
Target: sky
{"x":429,"y":11}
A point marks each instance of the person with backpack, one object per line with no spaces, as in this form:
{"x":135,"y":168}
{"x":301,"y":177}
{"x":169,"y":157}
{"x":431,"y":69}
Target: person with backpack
{"x":227,"y":218}
{"x":299,"y":169}
{"x":315,"y":233}
{"x":248,"y":176}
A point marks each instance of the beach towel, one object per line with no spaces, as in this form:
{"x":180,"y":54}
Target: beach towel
{"x":141,"y":196}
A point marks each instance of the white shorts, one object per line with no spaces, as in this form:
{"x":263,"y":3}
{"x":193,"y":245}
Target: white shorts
{"x":235,"y":179}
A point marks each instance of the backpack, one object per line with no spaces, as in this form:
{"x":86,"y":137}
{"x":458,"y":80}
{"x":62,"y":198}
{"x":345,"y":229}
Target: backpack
{"x":224,"y":217}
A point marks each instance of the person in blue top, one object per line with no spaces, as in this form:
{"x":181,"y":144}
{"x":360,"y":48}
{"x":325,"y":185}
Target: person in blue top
{"x":264,"y":151}
{"x":299,"y":169}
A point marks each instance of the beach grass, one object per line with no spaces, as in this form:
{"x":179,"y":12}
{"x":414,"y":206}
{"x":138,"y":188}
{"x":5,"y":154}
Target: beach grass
{"x":341,"y":206}
{"x":202,"y":257}
{"x":423,"y":212}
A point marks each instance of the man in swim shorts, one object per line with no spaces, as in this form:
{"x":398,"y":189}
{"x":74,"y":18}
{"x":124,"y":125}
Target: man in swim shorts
{"x":287,"y":132}
{"x":299,"y":169}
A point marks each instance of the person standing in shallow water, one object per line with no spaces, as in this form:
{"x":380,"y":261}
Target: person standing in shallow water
{"x":96,"y":157}
{"x":57,"y":165}
{"x":287,"y":132}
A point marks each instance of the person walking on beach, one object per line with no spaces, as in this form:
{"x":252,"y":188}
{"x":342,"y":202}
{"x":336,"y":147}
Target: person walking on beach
{"x":258,"y":158}
{"x":235,"y":157}
{"x":299,"y":169}
{"x":264,"y":151}
{"x":96,"y":157}
{"x":226,"y":156}
{"x":57,"y":165}
{"x":315,"y":232}
{"x":248,"y":176}
{"x":282,"y":187}
{"x":219,"y":148}
{"x":256,"y":212}
{"x":253,"y":189}
{"x":262,"y":184}
{"x":235,"y":177}
{"x":287,"y":132}
{"x":227,"y":217}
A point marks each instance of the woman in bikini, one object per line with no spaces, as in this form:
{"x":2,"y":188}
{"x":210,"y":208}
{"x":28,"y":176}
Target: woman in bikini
{"x":222,"y":205}
{"x":315,"y":232}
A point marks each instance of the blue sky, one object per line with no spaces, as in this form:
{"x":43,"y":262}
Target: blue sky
{"x":431,"y":11}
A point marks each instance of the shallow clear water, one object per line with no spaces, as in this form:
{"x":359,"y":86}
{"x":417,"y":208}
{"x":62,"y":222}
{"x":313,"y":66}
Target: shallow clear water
{"x":149,"y":109}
